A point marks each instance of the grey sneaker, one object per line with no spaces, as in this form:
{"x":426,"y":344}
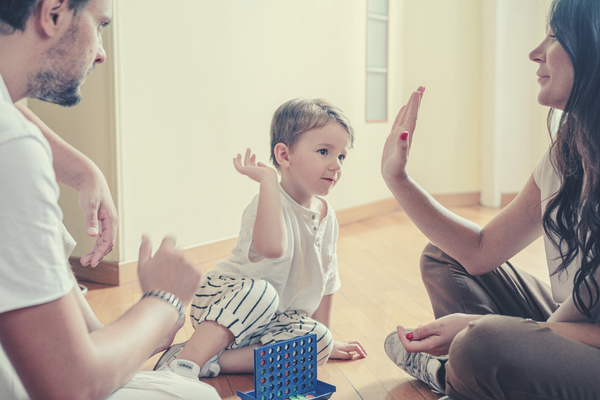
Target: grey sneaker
{"x":169,"y":355}
{"x":422,"y":366}
{"x":185,"y":367}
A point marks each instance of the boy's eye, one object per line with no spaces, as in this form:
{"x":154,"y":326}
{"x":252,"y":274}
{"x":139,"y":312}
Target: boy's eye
{"x":322,"y":152}
{"x":341,"y":157}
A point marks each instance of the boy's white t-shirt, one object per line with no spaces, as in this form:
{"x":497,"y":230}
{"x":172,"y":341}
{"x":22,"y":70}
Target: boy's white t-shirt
{"x":308,"y":269}
{"x":33,"y":267}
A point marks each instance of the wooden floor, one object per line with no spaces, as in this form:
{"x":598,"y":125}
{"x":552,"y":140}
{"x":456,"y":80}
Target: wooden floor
{"x":381,"y":288}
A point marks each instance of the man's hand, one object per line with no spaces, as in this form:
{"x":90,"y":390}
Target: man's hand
{"x":101,"y":219}
{"x":167,"y":270}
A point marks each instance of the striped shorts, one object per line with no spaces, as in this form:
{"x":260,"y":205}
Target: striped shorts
{"x":248,"y":308}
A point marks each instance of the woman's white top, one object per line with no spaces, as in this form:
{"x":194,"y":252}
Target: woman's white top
{"x":548,"y":181}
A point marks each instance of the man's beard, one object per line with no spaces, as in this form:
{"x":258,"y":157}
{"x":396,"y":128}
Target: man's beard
{"x":59,"y":81}
{"x":49,"y":86}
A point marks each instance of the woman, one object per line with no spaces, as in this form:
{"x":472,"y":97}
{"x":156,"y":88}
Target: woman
{"x":542,"y":342}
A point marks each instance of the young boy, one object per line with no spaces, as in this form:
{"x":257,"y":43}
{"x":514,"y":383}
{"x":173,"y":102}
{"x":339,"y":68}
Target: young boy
{"x":280,"y":279}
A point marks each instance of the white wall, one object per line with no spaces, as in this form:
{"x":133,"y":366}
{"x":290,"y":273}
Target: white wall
{"x":442,"y":51}
{"x":513,"y":130}
{"x":190,"y":85}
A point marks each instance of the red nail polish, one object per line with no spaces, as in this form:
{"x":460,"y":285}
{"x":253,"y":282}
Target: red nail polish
{"x":403,"y":136}
{"x":409,"y":336}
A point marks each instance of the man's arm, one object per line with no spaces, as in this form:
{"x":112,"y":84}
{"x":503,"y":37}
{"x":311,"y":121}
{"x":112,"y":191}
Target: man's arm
{"x":74,"y":169}
{"x":62,"y":361}
{"x":91,"y":320}
{"x":55,"y":356}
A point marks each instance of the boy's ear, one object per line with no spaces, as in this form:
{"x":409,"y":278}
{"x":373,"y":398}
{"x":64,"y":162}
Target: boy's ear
{"x":53,"y":16}
{"x":282,"y":155}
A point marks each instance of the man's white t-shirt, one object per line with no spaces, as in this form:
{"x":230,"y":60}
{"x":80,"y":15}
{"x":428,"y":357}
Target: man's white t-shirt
{"x":33,"y":265}
{"x":308,"y":269}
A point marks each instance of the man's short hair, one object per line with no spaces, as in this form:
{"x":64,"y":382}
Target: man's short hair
{"x":15,"y":13}
{"x":297,"y":116}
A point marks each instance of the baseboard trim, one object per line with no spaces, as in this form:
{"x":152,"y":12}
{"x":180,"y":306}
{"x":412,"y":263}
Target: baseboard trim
{"x":203,"y":253}
{"x":115,"y":273}
{"x":106,"y":272}
{"x":364,"y":211}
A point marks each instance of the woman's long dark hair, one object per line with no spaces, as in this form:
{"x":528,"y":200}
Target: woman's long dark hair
{"x":572,"y":218}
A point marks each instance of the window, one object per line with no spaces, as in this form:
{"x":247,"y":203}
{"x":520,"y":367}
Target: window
{"x":377,"y":37}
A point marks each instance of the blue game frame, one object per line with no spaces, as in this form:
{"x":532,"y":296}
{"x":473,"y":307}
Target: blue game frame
{"x":288,"y":370}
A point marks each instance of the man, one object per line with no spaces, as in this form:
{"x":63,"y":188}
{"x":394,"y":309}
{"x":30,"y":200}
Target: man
{"x":47,"y":48}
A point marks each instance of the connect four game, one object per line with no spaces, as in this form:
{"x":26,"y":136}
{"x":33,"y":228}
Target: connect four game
{"x":288,"y":371}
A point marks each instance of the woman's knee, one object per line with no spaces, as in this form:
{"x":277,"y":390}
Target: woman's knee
{"x":432,"y":259}
{"x":482,"y":349}
{"x":497,"y":354}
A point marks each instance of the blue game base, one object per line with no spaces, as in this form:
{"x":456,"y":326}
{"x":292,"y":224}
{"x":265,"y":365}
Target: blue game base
{"x":324,"y":391}
{"x":287,"y":370}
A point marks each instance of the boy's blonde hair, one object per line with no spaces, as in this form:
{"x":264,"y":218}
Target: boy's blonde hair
{"x":297,"y":116}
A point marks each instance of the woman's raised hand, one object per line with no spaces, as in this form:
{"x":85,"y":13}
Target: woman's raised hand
{"x":253,"y":170}
{"x":397,"y":145}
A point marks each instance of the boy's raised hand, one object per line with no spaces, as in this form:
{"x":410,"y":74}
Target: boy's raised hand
{"x":253,"y":170}
{"x":397,"y":145}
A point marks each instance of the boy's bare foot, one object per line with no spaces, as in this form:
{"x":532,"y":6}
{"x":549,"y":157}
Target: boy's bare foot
{"x":168,"y":340}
